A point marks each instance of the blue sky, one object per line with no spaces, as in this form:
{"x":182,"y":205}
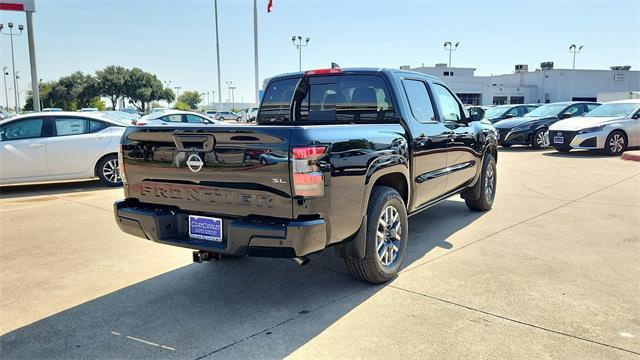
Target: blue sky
{"x":175,"y":39}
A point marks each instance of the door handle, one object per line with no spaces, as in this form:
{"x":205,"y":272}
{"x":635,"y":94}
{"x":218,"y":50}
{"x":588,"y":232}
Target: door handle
{"x":35,"y":146}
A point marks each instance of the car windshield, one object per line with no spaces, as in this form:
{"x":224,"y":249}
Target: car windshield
{"x":614,"y":110}
{"x":547,"y":110}
{"x":496,"y":111}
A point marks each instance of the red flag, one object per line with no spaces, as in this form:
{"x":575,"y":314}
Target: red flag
{"x":269,"y":6}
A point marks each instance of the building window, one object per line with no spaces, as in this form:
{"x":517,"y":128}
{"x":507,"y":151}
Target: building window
{"x":448,"y":73}
{"x":499,"y":100}
{"x":516,"y":100}
{"x":470,"y":99}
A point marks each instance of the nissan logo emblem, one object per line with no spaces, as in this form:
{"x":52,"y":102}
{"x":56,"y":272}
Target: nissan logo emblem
{"x":195,"y":163}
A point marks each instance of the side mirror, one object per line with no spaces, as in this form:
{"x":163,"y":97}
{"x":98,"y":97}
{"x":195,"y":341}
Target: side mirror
{"x":472,"y":117}
{"x":565,"y":116}
{"x":508,"y":116}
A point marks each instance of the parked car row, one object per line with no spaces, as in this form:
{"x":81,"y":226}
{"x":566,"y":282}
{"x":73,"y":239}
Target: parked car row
{"x":612,"y":127}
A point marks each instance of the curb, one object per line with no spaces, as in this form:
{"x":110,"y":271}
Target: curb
{"x":631,"y":155}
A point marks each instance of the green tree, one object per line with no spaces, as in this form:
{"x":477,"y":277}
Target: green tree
{"x":96,"y":102}
{"x":111,"y":82}
{"x":182,"y":106}
{"x":142,"y":88}
{"x":191,"y":98}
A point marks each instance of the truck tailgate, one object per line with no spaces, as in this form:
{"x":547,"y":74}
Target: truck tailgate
{"x":225,"y":170}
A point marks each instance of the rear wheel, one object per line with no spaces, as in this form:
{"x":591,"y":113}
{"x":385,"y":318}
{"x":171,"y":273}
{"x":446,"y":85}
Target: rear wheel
{"x":387,"y":236}
{"x":485,"y":188}
{"x":616,"y":143}
{"x":108,"y":171}
{"x":540,"y":140}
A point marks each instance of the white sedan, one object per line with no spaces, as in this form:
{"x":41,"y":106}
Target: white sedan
{"x":175,"y":117}
{"x":613,"y":127}
{"x":56,"y":146}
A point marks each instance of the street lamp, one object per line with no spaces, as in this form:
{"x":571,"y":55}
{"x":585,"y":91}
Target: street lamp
{"x":229,"y":83}
{"x":299,"y":46}
{"x":6,"y":92}
{"x":448,"y":46}
{"x":11,"y":34}
{"x":177,"y":88}
{"x":18,"y":87}
{"x":574,"y":50}
{"x":233,"y":97}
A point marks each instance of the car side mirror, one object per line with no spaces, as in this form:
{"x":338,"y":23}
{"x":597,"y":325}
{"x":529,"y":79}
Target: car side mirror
{"x":471,"y":118}
{"x":565,"y":116}
{"x":508,"y":116}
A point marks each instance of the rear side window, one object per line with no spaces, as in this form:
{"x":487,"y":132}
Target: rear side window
{"x":419,"y":100}
{"x":95,"y":126}
{"x":176,"y":118}
{"x":70,"y":126}
{"x":277,"y":101}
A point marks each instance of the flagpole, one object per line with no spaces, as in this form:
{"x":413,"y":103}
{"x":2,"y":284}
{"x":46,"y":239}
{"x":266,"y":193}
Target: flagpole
{"x":215,"y":5}
{"x":255,"y":49}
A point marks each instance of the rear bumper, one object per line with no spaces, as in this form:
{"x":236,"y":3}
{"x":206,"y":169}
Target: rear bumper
{"x":241,"y":236}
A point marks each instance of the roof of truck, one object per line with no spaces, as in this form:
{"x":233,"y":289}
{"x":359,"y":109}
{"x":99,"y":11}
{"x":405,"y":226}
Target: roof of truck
{"x":346,"y":71}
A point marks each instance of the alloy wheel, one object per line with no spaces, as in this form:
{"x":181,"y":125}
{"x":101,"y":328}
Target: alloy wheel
{"x":616,"y":143}
{"x":489,"y":182}
{"x":542,"y":139}
{"x":388,"y":236}
{"x":111,"y":172}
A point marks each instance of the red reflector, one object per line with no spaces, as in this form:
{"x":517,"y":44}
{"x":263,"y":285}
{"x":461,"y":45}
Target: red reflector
{"x":312,"y":152}
{"x":323,"y":71}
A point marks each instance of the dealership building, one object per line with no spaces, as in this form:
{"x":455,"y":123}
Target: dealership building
{"x":542,"y":85}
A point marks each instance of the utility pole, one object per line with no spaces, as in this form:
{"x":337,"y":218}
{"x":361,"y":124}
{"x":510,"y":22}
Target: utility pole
{"x":32,"y":63}
{"x":255,"y":49}
{"x":6,"y":92}
{"x":215,"y":5}
{"x":299,"y":46}
{"x":574,"y":50}
{"x":229,"y":83}
{"x":17,"y":84}
{"x":448,"y":46}
{"x":13,"y":60}
{"x":177,"y":92}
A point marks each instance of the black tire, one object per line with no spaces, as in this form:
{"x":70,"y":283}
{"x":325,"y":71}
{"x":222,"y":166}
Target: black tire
{"x":536,"y":139}
{"x":616,"y":143}
{"x":563,"y":150}
{"x":108,"y":172}
{"x":484,"y":200}
{"x":371,"y":269}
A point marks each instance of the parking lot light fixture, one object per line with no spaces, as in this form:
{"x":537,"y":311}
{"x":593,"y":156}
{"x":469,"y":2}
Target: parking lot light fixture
{"x":574,"y":50}
{"x":6,"y":91}
{"x":448,"y":46}
{"x":11,"y":34}
{"x":299,"y":46}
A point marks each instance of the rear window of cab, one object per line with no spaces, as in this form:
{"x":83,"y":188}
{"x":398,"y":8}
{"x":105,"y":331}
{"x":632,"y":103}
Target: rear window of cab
{"x":326,"y":99}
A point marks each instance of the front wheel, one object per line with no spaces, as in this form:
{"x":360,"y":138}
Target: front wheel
{"x":540,"y":139}
{"x":616,"y":143}
{"x":387,"y":237}
{"x":108,"y":171}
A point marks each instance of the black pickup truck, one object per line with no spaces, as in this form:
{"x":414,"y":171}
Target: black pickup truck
{"x":338,"y":157}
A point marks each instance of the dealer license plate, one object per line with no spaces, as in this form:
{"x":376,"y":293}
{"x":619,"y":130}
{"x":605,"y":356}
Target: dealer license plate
{"x":205,"y":228}
{"x":558,"y":140}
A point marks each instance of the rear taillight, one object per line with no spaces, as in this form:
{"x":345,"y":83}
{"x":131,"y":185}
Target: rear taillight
{"x":308,"y":180}
{"x":121,"y":164}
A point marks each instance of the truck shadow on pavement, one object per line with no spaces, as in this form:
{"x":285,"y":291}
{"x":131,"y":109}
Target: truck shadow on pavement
{"x":235,"y":308}
{"x":19,"y":191}
{"x":585,"y":154}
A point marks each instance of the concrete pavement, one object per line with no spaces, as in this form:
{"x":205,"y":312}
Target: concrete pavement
{"x":551,"y":272}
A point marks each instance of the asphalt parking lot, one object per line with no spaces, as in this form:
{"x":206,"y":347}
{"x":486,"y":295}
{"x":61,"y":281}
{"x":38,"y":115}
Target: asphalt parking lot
{"x":552,"y":271}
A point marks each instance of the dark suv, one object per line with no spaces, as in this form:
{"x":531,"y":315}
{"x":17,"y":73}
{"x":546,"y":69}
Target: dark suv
{"x":338,"y":158}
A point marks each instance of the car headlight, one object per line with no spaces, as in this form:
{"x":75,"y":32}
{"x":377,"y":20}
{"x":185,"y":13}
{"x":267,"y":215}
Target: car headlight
{"x":591,"y":129}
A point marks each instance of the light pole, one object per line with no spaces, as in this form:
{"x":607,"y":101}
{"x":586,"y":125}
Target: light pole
{"x":41,"y":101}
{"x":18,"y":88}
{"x":6,"y":92}
{"x":215,"y":6}
{"x":299,"y":46}
{"x":233,"y":97}
{"x":229,"y":83}
{"x":448,"y":46}
{"x":177,"y":88}
{"x":13,"y":60}
{"x":167,"y":84}
{"x":574,"y":50}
